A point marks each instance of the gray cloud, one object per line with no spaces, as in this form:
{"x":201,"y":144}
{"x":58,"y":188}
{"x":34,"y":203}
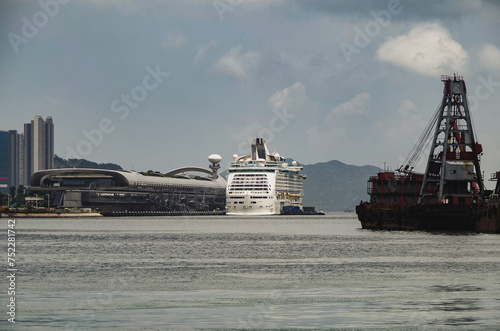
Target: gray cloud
{"x":445,"y":9}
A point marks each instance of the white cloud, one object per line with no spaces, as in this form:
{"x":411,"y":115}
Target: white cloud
{"x":358,"y":105}
{"x":236,"y":64}
{"x":489,"y":57}
{"x":427,"y":49}
{"x":174,"y":41}
{"x":292,"y":100}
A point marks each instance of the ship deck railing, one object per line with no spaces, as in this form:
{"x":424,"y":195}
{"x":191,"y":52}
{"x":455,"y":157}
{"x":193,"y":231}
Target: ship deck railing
{"x":405,"y":177}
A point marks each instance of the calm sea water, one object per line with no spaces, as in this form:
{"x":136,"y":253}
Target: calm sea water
{"x":254,"y":273}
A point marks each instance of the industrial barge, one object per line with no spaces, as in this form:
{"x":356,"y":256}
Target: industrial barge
{"x":450,"y":194}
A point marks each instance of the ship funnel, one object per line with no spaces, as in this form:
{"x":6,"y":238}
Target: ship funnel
{"x":259,"y":149}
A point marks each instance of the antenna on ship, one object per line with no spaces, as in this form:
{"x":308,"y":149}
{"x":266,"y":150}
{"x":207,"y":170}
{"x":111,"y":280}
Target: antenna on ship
{"x":453,"y":167}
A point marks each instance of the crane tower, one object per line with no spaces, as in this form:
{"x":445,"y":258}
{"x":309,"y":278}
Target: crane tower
{"x":453,"y":174}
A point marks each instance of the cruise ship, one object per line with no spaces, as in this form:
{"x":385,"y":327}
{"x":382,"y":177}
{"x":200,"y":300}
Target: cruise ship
{"x":263,"y":183}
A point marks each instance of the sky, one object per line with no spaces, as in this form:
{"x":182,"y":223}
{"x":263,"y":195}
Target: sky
{"x":161,"y":84}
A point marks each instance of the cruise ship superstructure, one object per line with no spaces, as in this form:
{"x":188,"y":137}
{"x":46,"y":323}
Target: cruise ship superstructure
{"x":263,"y":183}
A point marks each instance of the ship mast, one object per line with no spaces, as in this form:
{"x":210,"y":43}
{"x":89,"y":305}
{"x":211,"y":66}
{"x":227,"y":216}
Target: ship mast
{"x":453,"y":170}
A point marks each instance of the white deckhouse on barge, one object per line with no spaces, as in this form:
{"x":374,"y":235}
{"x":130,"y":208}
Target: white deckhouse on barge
{"x":263,"y":183}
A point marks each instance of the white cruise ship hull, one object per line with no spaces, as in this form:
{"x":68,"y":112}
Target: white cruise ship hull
{"x":258,"y":194}
{"x":251,"y":194}
{"x":263,"y":183}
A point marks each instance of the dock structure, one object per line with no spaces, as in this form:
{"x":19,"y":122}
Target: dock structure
{"x":119,"y":192}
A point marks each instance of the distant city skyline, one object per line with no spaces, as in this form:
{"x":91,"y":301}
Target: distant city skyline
{"x":163,"y":84}
{"x":22,"y":154}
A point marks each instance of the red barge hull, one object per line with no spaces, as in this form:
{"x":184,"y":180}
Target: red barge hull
{"x":438,"y":217}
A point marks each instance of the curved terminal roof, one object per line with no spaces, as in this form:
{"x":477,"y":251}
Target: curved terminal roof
{"x":130,"y":179}
{"x":184,"y":169}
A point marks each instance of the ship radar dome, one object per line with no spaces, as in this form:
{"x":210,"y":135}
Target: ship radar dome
{"x":235,"y":157}
{"x":294,"y":163}
{"x":214,"y":158}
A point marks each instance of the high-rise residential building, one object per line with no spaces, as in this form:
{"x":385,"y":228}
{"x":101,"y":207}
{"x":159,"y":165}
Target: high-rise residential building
{"x":38,"y":146}
{"x":4,"y":161}
{"x":9,"y":160}
{"x":49,"y":143}
{"x":27,"y":154}
{"x":22,"y":159}
{"x":13,"y":159}
{"x":21,"y":155}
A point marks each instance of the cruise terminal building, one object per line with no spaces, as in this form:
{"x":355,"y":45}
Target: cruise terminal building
{"x":112,"y":192}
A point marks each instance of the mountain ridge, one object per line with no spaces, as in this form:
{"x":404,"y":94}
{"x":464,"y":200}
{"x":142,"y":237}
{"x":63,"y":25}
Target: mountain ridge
{"x":336,"y":186}
{"x":83,"y":163}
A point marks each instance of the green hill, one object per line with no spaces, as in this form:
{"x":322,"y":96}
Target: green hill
{"x":82,"y":163}
{"x":336,"y":186}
